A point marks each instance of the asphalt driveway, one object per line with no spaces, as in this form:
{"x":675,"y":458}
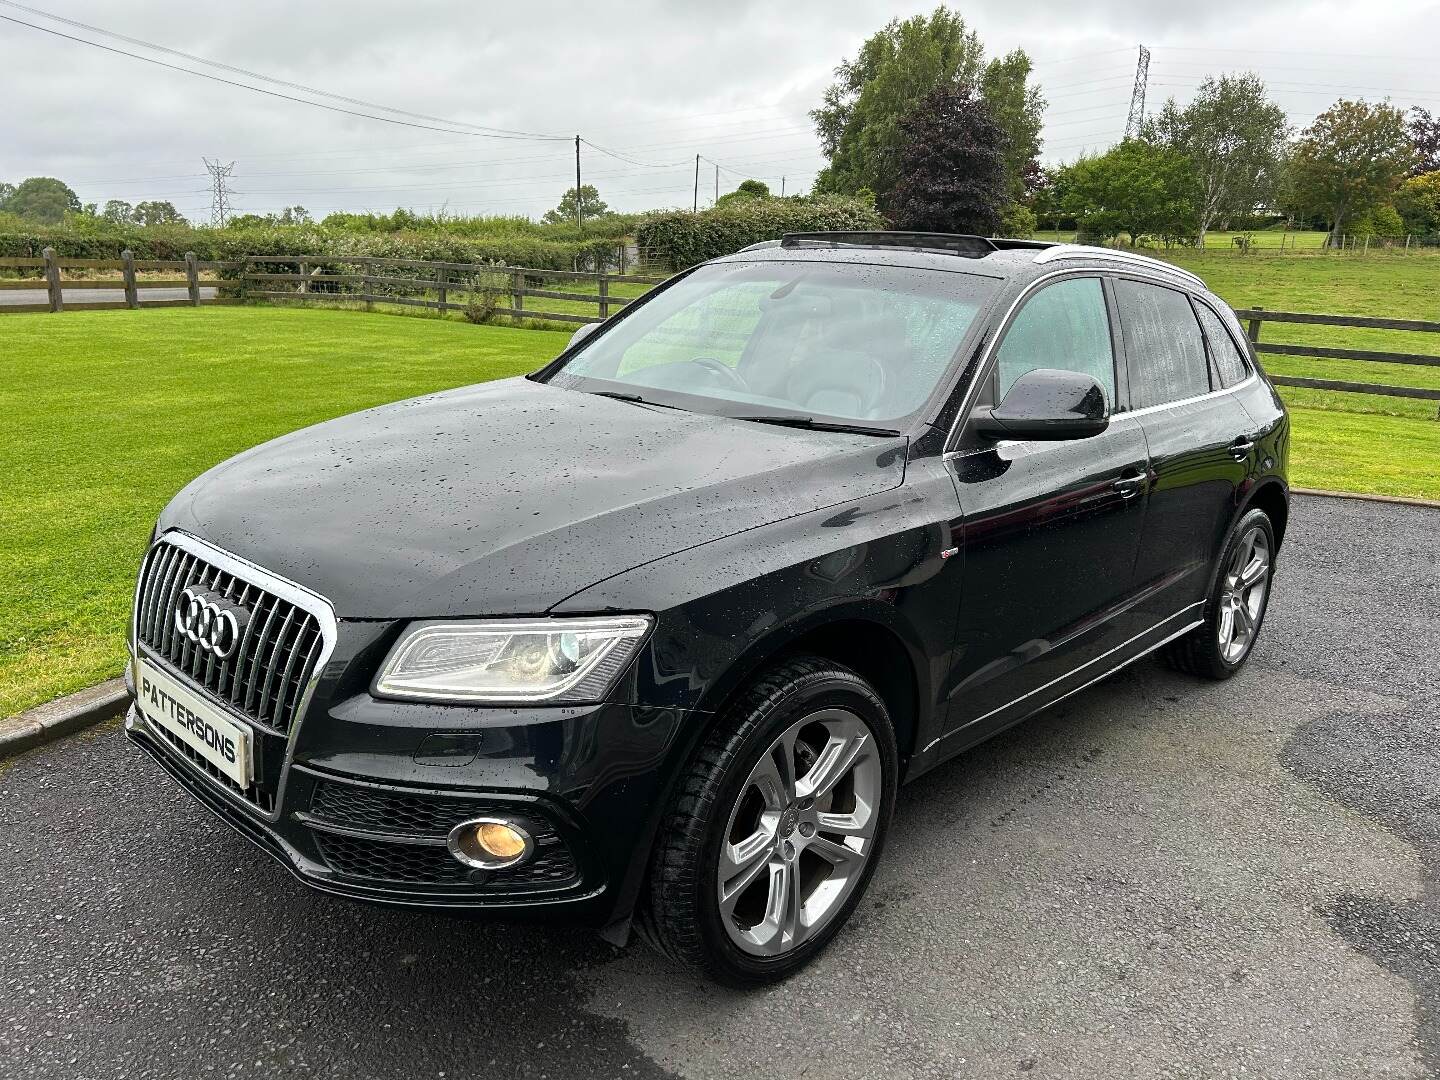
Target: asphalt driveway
{"x":1159,"y":878}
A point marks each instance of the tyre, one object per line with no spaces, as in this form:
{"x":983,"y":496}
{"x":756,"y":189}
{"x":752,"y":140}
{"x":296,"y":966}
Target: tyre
{"x":1235,"y":608}
{"x":776,"y":827}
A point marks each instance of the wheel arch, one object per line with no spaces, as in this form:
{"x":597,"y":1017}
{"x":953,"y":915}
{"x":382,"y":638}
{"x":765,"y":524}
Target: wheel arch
{"x":1272,"y":496}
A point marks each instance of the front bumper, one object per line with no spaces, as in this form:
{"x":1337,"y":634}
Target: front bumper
{"x":376,"y":830}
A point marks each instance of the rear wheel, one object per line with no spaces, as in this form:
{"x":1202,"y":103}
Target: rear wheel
{"x":1235,"y":609}
{"x":777,"y":826}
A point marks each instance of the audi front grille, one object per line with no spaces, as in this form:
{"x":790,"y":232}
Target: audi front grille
{"x":284,"y":631}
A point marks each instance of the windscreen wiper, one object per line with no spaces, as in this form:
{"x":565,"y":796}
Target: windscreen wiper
{"x":634,"y":399}
{"x":811,"y":424}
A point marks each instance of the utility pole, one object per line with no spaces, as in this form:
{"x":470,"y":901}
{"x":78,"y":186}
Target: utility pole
{"x":782,"y":187}
{"x":717,"y":185}
{"x":695,"y":200}
{"x":579,"y":217}
{"x":219,"y":197}
{"x":1136,"y":119}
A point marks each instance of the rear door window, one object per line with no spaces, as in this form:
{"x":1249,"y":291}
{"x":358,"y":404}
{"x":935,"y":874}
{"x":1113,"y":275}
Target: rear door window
{"x":1164,"y":350}
{"x":1229,"y":360}
{"x":1063,"y":326}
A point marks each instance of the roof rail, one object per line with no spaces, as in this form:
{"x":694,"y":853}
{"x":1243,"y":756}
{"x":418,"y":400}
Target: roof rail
{"x":1062,"y":251}
{"x":949,"y":243}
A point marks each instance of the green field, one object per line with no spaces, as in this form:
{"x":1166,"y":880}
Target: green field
{"x":110,"y":413}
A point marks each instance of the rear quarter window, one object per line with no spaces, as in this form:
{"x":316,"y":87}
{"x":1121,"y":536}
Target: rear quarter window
{"x":1230,"y":362}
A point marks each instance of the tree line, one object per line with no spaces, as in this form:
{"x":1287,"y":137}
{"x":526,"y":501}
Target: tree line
{"x":945,"y":140}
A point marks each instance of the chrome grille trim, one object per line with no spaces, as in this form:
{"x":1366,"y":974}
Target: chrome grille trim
{"x":246,"y":681}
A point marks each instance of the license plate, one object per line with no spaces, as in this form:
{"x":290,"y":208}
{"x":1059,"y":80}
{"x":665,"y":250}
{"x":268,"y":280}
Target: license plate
{"x":201,"y":726}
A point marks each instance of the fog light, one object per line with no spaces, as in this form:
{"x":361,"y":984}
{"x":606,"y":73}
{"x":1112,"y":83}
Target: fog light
{"x":490,"y":843}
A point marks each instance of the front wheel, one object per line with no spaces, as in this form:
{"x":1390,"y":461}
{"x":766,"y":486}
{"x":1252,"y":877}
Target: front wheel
{"x":777,"y":826}
{"x":1236,"y":607}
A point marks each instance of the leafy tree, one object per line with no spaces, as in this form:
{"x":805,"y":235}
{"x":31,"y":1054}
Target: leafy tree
{"x":1349,"y":160}
{"x":748,"y":189}
{"x":1019,"y":109}
{"x":157,"y":213}
{"x":1235,"y":136}
{"x":952,"y":165}
{"x":43,"y":198}
{"x":118,"y":212}
{"x":1136,"y":188}
{"x":590,"y":206}
{"x":859,"y":120}
{"x":1418,"y":203}
{"x":6,"y":190}
{"x":1425,"y":134}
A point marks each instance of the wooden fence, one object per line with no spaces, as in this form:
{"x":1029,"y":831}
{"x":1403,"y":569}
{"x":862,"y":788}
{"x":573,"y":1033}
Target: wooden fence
{"x":440,"y":286}
{"x":52,"y":281}
{"x":1257,"y":316}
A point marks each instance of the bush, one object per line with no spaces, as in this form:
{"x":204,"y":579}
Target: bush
{"x":681,"y":239}
{"x":97,"y":239}
{"x":1381,"y":223}
{"x":1017,"y":221}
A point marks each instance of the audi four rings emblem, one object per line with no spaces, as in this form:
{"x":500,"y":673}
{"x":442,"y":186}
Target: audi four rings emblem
{"x":209,"y":626}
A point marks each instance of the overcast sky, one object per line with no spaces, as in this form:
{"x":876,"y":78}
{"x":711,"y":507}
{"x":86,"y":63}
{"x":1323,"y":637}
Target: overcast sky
{"x":656,"y":83}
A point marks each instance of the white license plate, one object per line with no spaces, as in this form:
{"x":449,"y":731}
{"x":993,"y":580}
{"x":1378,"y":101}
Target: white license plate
{"x":200,"y":725}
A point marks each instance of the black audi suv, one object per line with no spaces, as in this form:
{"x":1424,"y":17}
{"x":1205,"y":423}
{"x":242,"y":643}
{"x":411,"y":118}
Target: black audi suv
{"x":648,"y":639}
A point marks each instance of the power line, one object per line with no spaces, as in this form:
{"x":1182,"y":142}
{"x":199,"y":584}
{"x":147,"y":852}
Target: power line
{"x":284,"y":97}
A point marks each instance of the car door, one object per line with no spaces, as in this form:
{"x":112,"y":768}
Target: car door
{"x":1197,"y":437}
{"x":1050,"y":530}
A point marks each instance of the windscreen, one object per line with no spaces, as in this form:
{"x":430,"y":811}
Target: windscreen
{"x":832,"y":340}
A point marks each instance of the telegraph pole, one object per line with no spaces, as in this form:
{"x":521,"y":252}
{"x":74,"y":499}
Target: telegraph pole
{"x":717,"y":184}
{"x":695,"y":200}
{"x":782,"y":187}
{"x":579,"y":218}
{"x":1136,"y":119}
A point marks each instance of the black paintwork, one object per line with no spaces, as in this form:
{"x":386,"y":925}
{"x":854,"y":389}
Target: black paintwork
{"x":972,"y":579}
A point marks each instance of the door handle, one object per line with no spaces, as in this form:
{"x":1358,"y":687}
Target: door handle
{"x":1241,"y":447}
{"x":1130,"y":484}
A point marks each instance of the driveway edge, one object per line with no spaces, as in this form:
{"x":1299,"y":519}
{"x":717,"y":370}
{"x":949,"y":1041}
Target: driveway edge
{"x":61,"y":717}
{"x":1434,"y":504}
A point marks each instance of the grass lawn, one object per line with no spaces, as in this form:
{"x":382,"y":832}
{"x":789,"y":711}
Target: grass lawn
{"x":109,"y":413}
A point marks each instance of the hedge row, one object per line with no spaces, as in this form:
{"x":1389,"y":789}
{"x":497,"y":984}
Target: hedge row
{"x":163,"y":242}
{"x":683,"y":239}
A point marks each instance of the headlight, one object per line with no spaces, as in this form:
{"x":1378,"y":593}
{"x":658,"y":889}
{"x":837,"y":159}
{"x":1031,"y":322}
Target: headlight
{"x":557,"y":661}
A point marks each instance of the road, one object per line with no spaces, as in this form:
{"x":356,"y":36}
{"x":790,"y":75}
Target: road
{"x":1159,"y":878}
{"x":16,"y":297}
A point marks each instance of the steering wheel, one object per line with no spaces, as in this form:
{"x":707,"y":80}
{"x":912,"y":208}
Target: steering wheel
{"x":725,"y":371}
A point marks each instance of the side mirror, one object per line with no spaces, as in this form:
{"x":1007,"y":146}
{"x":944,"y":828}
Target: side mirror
{"x":581,"y":334}
{"x":1048,"y":403}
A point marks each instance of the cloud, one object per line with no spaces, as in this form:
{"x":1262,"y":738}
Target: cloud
{"x":657,"y":82}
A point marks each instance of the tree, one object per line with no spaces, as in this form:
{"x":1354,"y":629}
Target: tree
{"x":118,"y":212}
{"x":1349,"y":160}
{"x":1235,"y":136}
{"x":1136,"y":188}
{"x":952,"y":165}
{"x":590,"y":206}
{"x":6,"y":190}
{"x":44,"y":199}
{"x":1425,"y":135}
{"x":157,"y":213}
{"x":1418,"y":203}
{"x":1019,"y":109}
{"x":859,"y":120}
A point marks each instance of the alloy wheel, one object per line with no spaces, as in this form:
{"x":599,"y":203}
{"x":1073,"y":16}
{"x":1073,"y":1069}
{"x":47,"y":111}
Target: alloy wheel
{"x":1242,"y":594}
{"x":800,"y":833}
